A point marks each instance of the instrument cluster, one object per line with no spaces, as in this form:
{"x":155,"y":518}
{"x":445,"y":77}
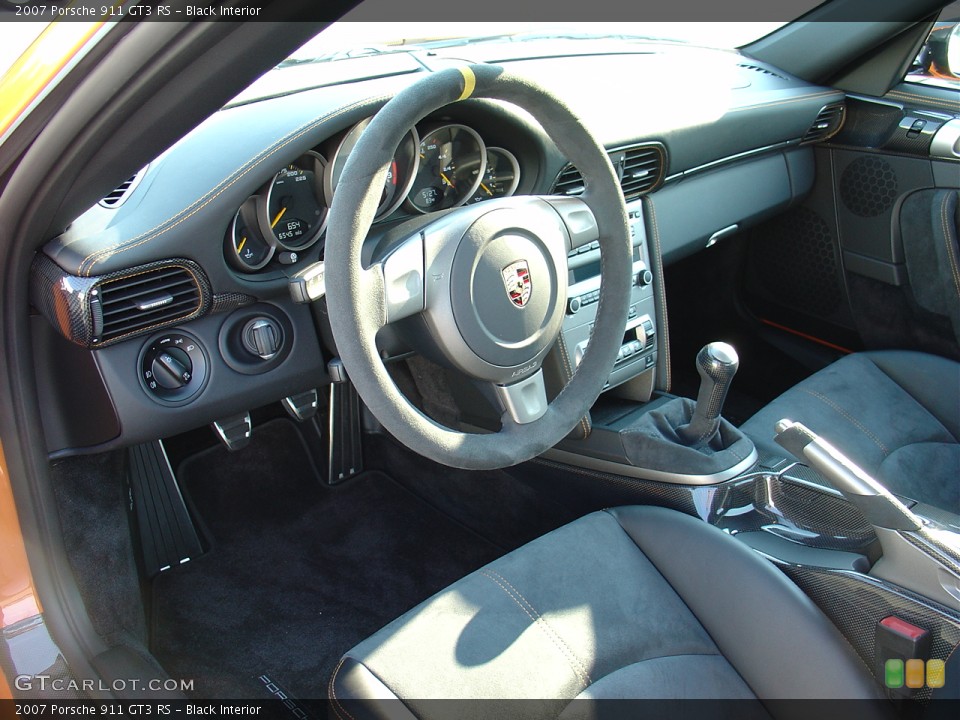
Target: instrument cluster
{"x":435,"y":167}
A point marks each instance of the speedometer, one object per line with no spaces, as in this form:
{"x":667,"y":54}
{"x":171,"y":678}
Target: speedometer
{"x":294,"y":211}
{"x":452,"y":159}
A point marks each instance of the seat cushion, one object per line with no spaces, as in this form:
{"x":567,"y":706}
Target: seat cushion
{"x":895,"y":413}
{"x":635,"y":602}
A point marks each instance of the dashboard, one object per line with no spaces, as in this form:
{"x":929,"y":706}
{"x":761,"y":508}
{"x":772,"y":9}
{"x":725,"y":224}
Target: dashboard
{"x":167,"y":305}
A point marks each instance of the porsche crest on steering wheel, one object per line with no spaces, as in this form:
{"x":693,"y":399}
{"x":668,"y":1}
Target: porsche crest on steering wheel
{"x":516,"y":280}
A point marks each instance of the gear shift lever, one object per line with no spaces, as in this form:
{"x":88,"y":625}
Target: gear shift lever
{"x":717,"y":363}
{"x":690,"y":443}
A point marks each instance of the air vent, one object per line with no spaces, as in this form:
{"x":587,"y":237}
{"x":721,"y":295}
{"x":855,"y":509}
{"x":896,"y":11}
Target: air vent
{"x":158,"y":296}
{"x":642,"y":169}
{"x":828,"y":122}
{"x":116,"y":198}
{"x":761,"y":70}
{"x":569,"y":182}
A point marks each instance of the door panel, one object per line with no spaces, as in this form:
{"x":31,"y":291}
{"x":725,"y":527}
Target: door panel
{"x":889,"y":215}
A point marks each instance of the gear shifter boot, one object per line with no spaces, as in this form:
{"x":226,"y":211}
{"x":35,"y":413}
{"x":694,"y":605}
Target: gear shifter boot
{"x":658,"y":442}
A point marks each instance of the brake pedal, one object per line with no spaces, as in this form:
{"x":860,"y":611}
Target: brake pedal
{"x":301,"y":407}
{"x":234,"y":432}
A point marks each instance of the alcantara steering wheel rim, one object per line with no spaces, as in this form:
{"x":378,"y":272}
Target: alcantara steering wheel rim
{"x":361,"y":300}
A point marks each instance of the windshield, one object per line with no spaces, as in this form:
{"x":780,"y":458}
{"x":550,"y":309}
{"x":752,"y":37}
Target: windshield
{"x":346,"y":39}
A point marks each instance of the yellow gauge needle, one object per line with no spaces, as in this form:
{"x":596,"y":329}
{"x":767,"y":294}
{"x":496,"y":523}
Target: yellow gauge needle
{"x":240,"y":246}
{"x":277,"y":218}
{"x":486,"y":189}
{"x":447,"y":181}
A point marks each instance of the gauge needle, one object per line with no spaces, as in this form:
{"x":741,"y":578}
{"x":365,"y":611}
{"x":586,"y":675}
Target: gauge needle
{"x":486,"y":189}
{"x":277,"y":218}
{"x":240,"y":246}
{"x":447,"y":181}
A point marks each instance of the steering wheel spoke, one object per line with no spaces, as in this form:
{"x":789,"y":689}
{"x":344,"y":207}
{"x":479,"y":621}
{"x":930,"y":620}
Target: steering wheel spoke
{"x":578,"y":219}
{"x":402,"y":276}
{"x":525,"y":400}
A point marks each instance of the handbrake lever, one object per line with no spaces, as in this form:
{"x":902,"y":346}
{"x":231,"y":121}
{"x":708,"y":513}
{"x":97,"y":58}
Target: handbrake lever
{"x":916,"y":557}
{"x":878,"y":505}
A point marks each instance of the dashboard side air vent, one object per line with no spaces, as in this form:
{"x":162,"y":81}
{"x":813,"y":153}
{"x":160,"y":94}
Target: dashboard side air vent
{"x":118,"y":196}
{"x":157,"y":295}
{"x":641,"y":168}
{"x":828,"y":122}
{"x":98,"y":311}
{"x":761,"y":70}
{"x":568,"y":182}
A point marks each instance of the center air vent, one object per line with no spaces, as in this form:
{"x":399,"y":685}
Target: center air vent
{"x":640,"y":168}
{"x":160,"y":295}
{"x":828,"y":122}
{"x":569,"y":182}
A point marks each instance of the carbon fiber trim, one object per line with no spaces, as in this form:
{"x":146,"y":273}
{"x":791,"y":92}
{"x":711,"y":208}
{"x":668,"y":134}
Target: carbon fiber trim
{"x":856,"y":603}
{"x":757,"y":500}
{"x":227,"y":302}
{"x":71,"y":303}
{"x":63,"y":299}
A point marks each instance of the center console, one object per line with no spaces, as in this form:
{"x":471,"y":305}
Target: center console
{"x":638,"y":352}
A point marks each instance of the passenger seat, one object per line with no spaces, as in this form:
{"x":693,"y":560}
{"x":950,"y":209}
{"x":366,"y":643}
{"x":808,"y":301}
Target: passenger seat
{"x":895,"y":413}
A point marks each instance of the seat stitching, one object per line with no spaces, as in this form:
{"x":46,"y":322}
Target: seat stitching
{"x":947,"y":240}
{"x":669,"y":655}
{"x":575,"y":664}
{"x":827,"y":401}
{"x":331,"y":691}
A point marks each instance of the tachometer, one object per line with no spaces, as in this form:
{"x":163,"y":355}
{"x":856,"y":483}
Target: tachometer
{"x":247,"y":250}
{"x":400,"y":172}
{"x":293,"y":210}
{"x":452,"y":159}
{"x":501,"y":176}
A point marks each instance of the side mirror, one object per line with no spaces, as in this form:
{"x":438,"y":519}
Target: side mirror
{"x":940,"y":56}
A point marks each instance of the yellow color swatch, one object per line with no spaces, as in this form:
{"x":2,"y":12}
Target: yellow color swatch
{"x":936,"y":674}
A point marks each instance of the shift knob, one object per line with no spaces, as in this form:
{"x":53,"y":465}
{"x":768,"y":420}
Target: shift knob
{"x":717,"y":363}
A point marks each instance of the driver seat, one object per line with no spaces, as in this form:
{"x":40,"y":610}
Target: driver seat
{"x":633,"y":602}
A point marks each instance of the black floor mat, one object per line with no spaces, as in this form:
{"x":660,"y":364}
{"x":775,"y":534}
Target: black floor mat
{"x":297,"y":572}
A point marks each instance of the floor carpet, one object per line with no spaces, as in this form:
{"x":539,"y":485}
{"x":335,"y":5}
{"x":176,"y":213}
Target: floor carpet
{"x":297,"y":572}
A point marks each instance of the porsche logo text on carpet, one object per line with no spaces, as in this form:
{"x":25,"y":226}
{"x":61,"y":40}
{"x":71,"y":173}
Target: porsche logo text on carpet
{"x":289,"y":702}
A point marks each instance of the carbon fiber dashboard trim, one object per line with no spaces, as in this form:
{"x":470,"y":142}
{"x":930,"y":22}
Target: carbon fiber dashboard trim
{"x":71,"y":303}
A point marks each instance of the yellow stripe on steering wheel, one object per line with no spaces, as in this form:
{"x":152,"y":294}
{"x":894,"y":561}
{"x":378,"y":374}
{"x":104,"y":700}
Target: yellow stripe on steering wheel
{"x":469,"y":83}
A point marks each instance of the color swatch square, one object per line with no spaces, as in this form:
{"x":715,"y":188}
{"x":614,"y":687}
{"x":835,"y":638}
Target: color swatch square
{"x":893,"y":673}
{"x":936,"y":673}
{"x":914,"y":673}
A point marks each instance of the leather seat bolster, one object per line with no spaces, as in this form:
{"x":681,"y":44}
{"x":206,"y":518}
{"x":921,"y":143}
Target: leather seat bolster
{"x":356,"y":693}
{"x":771,"y":633}
{"x":932,"y":381}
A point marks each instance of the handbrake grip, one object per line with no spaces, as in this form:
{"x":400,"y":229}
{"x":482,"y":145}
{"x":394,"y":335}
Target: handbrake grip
{"x":877,"y":504}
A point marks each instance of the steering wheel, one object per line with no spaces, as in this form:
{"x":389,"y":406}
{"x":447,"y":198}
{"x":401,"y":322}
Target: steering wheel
{"x":488,"y":281}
